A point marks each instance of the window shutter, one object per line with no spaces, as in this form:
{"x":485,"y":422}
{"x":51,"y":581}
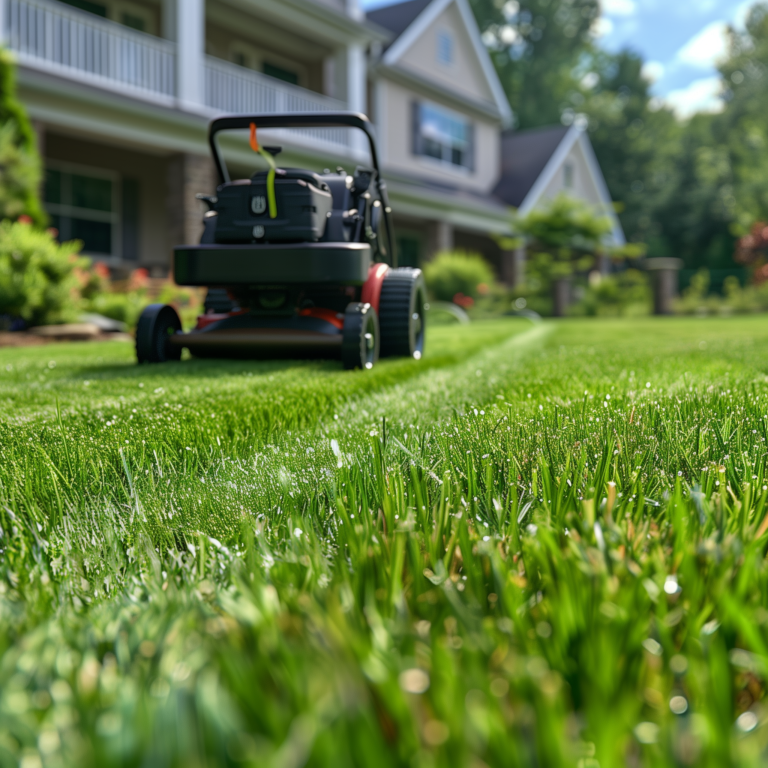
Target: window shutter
{"x":416,"y":147}
{"x":130,"y":223}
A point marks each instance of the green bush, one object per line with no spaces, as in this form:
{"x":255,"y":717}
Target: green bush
{"x":39,"y":278}
{"x":621,"y":294}
{"x":19,"y":158}
{"x":736,"y":299}
{"x":452,"y":273}
{"x":125,"y":307}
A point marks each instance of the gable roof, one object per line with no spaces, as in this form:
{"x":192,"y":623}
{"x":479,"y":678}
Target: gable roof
{"x":397,"y":18}
{"x":530,"y":160}
{"x":411,"y":19}
{"x":524,"y":156}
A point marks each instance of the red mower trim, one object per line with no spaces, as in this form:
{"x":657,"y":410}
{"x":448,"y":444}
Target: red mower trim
{"x":372,"y":286}
{"x":203,"y":321}
{"x":329,"y":315}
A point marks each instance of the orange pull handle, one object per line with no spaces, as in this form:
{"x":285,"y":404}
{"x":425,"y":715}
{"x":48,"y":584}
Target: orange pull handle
{"x":254,"y":140}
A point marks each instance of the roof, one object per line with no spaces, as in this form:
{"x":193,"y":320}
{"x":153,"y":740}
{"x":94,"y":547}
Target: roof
{"x":524,"y":156}
{"x":531,"y":159}
{"x":397,"y":18}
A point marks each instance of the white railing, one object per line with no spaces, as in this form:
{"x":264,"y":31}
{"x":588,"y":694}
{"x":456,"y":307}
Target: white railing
{"x":60,"y":39}
{"x":235,"y":90}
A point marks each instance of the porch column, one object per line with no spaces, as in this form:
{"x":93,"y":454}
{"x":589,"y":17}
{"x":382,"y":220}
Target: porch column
{"x":187,"y":175}
{"x":356,"y":91}
{"x":3,"y":22}
{"x":513,"y":267}
{"x":443,"y":236}
{"x":190,"y":42}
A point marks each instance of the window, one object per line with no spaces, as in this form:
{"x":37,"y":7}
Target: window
{"x":128,"y":14}
{"x":445,"y":47}
{"x":442,"y":135}
{"x":408,"y":250}
{"x":568,"y":176}
{"x":84,"y":5}
{"x":286,"y":75}
{"x":83,"y":205}
{"x":133,"y":21}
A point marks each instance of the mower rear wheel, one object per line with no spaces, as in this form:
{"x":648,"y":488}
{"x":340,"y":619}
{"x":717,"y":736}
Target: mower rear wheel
{"x":401,"y":311}
{"x":360,"y":337}
{"x":156,"y":324}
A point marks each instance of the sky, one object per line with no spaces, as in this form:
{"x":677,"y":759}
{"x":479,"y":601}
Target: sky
{"x":680,"y":40}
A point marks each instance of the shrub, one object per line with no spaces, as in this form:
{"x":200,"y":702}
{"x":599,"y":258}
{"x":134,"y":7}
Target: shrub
{"x":620,"y":294}
{"x":738,"y":300}
{"x":452,"y":274}
{"x":19,"y":159}
{"x":39,"y":280}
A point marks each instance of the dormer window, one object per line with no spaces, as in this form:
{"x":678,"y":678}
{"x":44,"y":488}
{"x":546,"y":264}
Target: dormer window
{"x":568,"y":176}
{"x":445,"y":47}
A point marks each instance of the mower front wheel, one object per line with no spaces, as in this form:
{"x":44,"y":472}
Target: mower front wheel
{"x":360,"y":337}
{"x":156,"y":324}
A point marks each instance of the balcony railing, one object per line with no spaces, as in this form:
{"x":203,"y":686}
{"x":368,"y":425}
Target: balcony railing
{"x":232,"y":89}
{"x":50,"y":36}
{"x":54,"y":37}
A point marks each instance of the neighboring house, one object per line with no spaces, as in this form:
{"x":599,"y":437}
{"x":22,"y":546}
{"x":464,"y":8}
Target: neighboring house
{"x":439,"y":110}
{"x":538,"y":165}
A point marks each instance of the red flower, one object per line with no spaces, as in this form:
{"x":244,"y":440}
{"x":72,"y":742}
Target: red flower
{"x":463,"y":301}
{"x":139,"y":279}
{"x":24,"y":219}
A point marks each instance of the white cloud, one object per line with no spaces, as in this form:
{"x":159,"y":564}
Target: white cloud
{"x":619,"y":7}
{"x":699,"y":96}
{"x":653,"y":71}
{"x":602,"y":27}
{"x":704,"y":49}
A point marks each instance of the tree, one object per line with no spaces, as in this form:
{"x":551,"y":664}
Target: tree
{"x":536,"y":46}
{"x":634,"y":143}
{"x":20,"y":166}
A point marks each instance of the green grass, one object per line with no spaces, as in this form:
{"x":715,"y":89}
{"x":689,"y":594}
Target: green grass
{"x":540,"y":545}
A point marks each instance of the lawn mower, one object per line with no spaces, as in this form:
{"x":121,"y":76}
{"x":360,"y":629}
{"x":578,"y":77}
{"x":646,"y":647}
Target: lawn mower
{"x":297,"y":264}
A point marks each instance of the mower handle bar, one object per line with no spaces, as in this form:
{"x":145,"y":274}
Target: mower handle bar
{"x":294,"y":120}
{"x":306,"y":120}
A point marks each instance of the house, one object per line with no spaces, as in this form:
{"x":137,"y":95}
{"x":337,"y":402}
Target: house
{"x":537,"y":165}
{"x":121,"y":92}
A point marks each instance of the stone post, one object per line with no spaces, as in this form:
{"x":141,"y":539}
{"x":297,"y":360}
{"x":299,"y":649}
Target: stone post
{"x":664,"y":280}
{"x":561,"y":296}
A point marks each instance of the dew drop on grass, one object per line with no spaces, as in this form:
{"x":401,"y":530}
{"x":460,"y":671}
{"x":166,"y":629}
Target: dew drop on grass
{"x":746,"y":722}
{"x":414,"y":681}
{"x":678,"y":705}
{"x":647,"y":733}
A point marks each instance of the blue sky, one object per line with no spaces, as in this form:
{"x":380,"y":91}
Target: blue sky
{"x":680,"y":40}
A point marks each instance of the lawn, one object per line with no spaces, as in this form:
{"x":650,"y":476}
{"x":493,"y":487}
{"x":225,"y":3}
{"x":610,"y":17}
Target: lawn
{"x":540,"y":545}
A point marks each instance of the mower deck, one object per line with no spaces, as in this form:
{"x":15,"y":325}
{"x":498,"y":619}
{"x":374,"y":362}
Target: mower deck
{"x":315,"y":333}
